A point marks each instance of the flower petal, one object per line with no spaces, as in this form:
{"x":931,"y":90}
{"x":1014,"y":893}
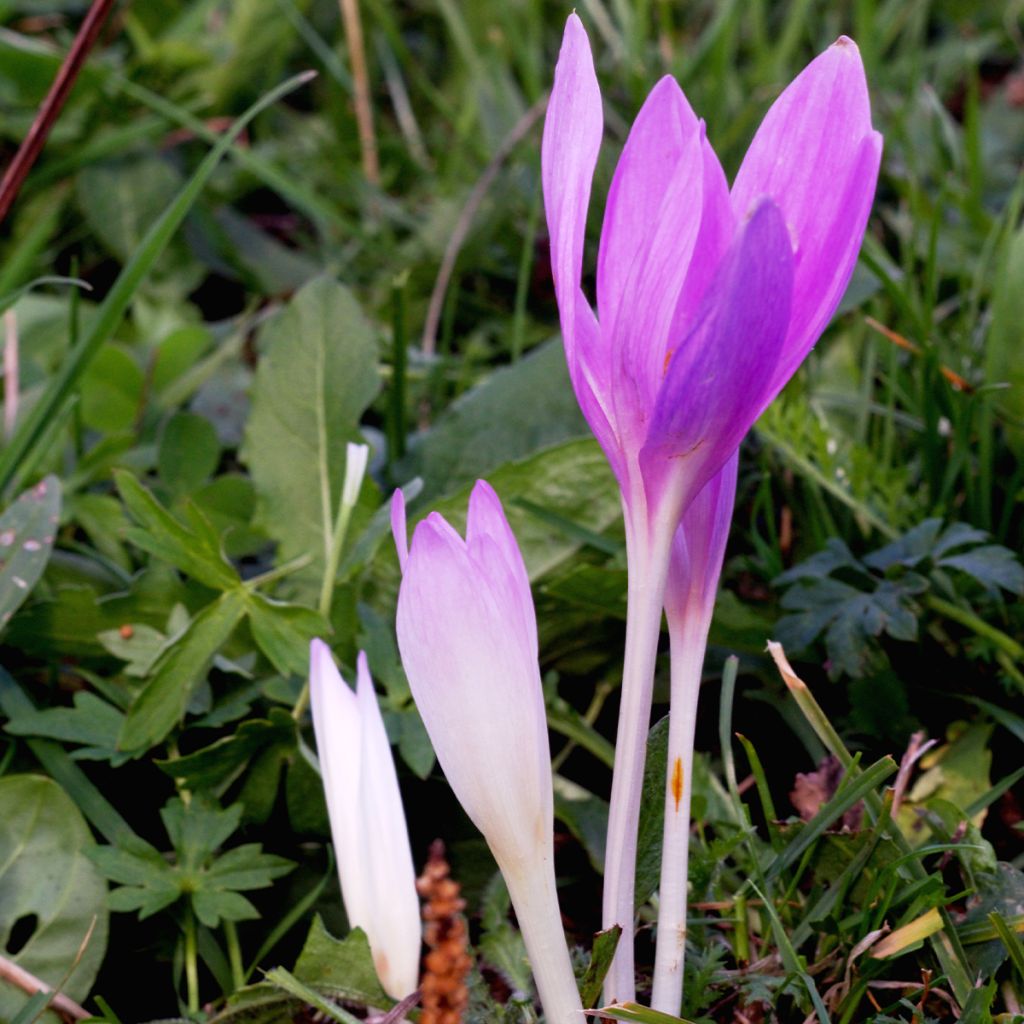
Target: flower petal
{"x":394,"y":930}
{"x":477,"y":687}
{"x":492,"y":545}
{"x":573,"y":127}
{"x":653,"y":283}
{"x":816,"y":155}
{"x":698,"y":547}
{"x":713,"y":387}
{"x":663,"y":129}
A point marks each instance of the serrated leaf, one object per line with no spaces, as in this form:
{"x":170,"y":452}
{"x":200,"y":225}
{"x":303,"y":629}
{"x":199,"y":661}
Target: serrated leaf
{"x":45,"y":873}
{"x":92,"y":722}
{"x":27,"y":531}
{"x":341,"y":966}
{"x":993,"y":566}
{"x":283,"y":632}
{"x":316,"y":375}
{"x":161,"y":705}
{"x":652,"y":813}
{"x":161,"y":534}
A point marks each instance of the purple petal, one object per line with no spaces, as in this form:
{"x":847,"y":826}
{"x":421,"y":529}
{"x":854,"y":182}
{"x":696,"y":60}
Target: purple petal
{"x":698,"y":547}
{"x":714,"y":384}
{"x":653,"y":284}
{"x":661,"y":133}
{"x":573,"y":127}
{"x":816,"y":155}
{"x":717,"y":227}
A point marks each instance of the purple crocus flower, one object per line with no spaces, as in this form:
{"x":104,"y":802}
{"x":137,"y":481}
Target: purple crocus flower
{"x":708,"y":299}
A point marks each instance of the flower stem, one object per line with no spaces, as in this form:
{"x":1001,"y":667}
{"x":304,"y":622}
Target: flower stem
{"x":688,"y":638}
{"x":647,"y":554}
{"x":535,"y":899}
{"x":191,"y":962}
{"x":234,"y":954}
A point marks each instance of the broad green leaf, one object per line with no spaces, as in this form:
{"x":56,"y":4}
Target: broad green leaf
{"x":343,"y":967}
{"x":652,"y":813}
{"x":571,"y":479}
{"x":27,"y":532}
{"x":162,"y":703}
{"x":46,"y":875}
{"x":194,"y":551}
{"x":283,"y":632}
{"x":601,"y":956}
{"x":111,"y":390}
{"x":188,"y":453}
{"x":514,"y":412}
{"x":584,"y":815}
{"x":316,"y":375}
{"x":1002,"y":349}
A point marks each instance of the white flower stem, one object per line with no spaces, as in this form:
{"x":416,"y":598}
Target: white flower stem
{"x":535,"y":899}
{"x":688,"y":636}
{"x":647,"y":554}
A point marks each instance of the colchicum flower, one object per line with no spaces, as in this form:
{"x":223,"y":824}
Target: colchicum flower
{"x":467,"y":634}
{"x":371,"y":841}
{"x":708,"y":299}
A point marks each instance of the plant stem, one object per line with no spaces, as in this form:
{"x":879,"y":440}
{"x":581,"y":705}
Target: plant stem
{"x":234,"y":954}
{"x":191,"y":963}
{"x":976,"y":625}
{"x":535,"y":899}
{"x":688,"y":636}
{"x":647,"y":553}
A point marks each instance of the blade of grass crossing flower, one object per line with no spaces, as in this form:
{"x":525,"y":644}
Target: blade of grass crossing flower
{"x":121,"y":294}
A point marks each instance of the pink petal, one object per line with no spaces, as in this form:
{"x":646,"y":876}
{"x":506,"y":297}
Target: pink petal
{"x":661,"y":133}
{"x":573,"y":127}
{"x":816,"y":155}
{"x":493,"y":547}
{"x":713,"y":387}
{"x":653,"y":284}
{"x":698,"y":547}
{"x":476,"y":686}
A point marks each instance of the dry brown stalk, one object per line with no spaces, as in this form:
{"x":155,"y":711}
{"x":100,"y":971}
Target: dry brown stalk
{"x":443,"y":987}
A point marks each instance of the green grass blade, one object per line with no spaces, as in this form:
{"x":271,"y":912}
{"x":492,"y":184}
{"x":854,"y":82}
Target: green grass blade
{"x":120,"y":296}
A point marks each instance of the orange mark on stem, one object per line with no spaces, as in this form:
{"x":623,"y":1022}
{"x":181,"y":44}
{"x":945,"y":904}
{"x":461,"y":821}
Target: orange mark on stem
{"x":677,"y":781}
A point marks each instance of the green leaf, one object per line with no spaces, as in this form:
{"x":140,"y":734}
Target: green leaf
{"x":283,"y":632}
{"x":92,"y":722}
{"x":188,"y":453}
{"x":652,"y":813}
{"x":27,"y":532}
{"x":211,"y":765}
{"x":316,"y":375}
{"x":111,"y":390}
{"x":1002,"y":347}
{"x":287,"y":981}
{"x":601,"y":956}
{"x":637,"y":1014}
{"x":194,"y":551}
{"x":571,"y":480}
{"x":343,"y":967}
{"x":180,"y":670}
{"x":584,"y":815}
{"x":46,"y":874}
{"x":514,"y":412}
